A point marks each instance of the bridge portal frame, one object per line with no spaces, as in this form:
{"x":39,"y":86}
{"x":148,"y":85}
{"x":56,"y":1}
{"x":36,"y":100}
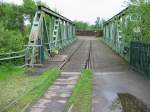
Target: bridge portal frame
{"x":50,"y":33}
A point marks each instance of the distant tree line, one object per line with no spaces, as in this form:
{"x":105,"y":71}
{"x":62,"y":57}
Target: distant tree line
{"x":97,"y":26}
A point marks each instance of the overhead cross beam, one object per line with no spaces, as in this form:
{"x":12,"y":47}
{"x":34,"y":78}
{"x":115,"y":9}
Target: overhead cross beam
{"x":51,"y":12}
{"x":50,"y":32}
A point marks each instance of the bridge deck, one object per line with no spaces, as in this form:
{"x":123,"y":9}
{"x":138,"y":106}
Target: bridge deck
{"x":112,"y":76}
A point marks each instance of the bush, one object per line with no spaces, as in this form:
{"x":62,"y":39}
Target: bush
{"x":10,"y":40}
{"x":140,"y":11}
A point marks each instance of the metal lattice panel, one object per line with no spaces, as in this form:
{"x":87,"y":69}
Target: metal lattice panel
{"x":50,"y":32}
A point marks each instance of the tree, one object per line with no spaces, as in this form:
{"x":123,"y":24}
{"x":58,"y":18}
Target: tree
{"x":11,"y":16}
{"x":13,"y":31}
{"x":10,"y":40}
{"x":80,"y":25}
{"x":139,"y":10}
{"x":98,"y":26}
{"x":99,"y":23}
{"x":29,"y":7}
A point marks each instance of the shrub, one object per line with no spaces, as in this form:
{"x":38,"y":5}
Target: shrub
{"x":10,"y":40}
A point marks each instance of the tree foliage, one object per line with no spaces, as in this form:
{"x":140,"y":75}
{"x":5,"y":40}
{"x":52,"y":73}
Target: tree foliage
{"x":97,"y":26}
{"x":80,"y":25}
{"x":29,"y":8}
{"x":13,"y":31}
{"x":139,"y":26}
{"x":11,"y":16}
{"x":10,"y":40}
{"x":99,"y":23}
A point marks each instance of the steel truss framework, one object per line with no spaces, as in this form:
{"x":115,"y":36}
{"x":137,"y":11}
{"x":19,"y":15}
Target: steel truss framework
{"x":50,"y":33}
{"x":113,"y":32}
{"x":135,"y":51}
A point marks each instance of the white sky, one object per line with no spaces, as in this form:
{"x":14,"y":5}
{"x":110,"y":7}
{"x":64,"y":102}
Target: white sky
{"x":84,"y":10}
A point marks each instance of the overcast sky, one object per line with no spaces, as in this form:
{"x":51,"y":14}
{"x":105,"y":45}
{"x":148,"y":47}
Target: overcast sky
{"x":84,"y":10}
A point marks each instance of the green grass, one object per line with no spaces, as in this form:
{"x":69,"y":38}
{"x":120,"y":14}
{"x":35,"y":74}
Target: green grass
{"x":8,"y":71}
{"x":15,"y":84}
{"x":81,"y":97}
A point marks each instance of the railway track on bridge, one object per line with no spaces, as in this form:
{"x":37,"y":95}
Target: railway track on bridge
{"x":70,"y":56}
{"x":88,"y":61}
{"x":63,"y":86}
{"x":84,"y":48}
{"x":80,"y":58}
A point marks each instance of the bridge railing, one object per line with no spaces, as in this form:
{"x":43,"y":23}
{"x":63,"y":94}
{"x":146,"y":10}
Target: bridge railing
{"x":50,"y":33}
{"x":140,"y":57}
{"x":12,"y":55}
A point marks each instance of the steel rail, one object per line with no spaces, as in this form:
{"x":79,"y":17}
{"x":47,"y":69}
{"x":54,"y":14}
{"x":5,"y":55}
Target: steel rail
{"x":69,"y":58}
{"x":88,"y":63}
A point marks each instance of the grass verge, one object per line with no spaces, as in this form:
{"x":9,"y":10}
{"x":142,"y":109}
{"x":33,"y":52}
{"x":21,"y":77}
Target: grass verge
{"x":19,"y":89}
{"x":81,"y":98}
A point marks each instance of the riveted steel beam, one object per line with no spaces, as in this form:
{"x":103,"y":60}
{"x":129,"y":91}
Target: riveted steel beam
{"x":51,"y":12}
{"x":50,"y":33}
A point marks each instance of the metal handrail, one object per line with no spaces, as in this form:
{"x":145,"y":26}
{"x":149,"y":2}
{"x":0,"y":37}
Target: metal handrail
{"x":12,"y":55}
{"x":12,"y":52}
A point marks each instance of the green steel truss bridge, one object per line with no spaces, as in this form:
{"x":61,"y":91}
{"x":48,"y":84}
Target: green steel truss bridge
{"x":50,"y":33}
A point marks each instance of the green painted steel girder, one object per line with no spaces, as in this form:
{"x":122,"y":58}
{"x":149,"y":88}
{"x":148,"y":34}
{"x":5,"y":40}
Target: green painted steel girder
{"x":51,"y":12}
{"x":50,"y":33}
